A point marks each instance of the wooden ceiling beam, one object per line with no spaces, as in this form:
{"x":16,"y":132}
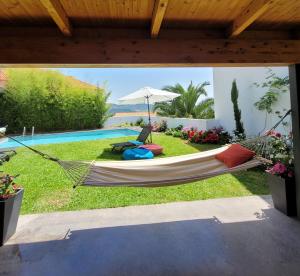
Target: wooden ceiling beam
{"x":158,"y":14}
{"x":144,"y":33}
{"x":100,"y":51}
{"x":59,"y":16}
{"x":254,"y":10}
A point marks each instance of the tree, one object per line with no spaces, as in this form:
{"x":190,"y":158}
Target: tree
{"x":205,"y":109}
{"x":239,"y":128}
{"x":186,"y":104}
{"x":275,"y":86}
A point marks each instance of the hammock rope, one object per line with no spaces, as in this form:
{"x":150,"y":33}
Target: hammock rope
{"x":78,"y":171}
{"x":262,"y":145}
{"x":75,"y":170}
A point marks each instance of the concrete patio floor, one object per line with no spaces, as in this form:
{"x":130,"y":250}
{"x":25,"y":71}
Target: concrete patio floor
{"x":234,"y":236}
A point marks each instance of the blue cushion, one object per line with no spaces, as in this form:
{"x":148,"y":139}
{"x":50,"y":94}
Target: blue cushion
{"x":135,"y":142}
{"x":138,"y":153}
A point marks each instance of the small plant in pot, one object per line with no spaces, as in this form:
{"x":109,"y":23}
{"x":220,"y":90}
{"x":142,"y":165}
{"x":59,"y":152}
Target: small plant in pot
{"x":281,"y":174}
{"x":10,"y":204}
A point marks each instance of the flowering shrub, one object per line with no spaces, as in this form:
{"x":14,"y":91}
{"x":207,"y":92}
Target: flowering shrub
{"x":281,"y":154}
{"x":273,"y":133}
{"x":211,"y":136}
{"x":188,"y":132}
{"x":281,"y":170}
{"x":8,"y":187}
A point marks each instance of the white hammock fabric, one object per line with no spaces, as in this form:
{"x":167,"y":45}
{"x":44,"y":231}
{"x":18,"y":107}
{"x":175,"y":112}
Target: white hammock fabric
{"x":160,"y":172}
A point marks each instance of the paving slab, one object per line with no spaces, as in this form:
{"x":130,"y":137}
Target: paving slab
{"x":229,"y":236}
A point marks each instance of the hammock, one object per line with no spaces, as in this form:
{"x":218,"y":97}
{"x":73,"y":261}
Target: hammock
{"x":148,"y":173}
{"x":159,"y":172}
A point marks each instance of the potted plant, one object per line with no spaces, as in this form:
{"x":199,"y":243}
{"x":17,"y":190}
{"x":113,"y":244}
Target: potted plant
{"x":10,"y":204}
{"x":281,"y":178}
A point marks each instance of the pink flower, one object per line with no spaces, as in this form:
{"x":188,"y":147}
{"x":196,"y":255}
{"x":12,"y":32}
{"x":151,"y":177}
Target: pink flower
{"x":279,"y":168}
{"x":273,"y":133}
{"x":186,"y":129}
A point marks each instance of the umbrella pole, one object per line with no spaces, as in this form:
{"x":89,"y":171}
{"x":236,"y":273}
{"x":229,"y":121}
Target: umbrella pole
{"x":147,"y":97}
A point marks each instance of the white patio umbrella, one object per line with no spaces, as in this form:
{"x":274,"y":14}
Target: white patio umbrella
{"x":149,"y":96}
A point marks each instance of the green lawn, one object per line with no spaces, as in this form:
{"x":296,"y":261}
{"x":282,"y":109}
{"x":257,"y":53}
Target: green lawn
{"x":47,"y":189}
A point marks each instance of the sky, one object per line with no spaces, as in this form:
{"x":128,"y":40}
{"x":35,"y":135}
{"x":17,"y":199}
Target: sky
{"x":123,"y":81}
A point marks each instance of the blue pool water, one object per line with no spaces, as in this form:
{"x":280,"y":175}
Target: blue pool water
{"x":40,"y":139}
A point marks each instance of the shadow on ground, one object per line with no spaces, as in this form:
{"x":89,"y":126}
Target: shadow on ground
{"x":202,"y":147}
{"x":107,"y":154}
{"x":255,"y":182}
{"x":269,"y":245}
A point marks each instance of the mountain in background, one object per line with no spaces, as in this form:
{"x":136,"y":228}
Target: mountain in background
{"x":117,"y":108}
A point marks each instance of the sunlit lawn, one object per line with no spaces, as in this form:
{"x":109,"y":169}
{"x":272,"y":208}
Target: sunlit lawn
{"x":47,"y":189}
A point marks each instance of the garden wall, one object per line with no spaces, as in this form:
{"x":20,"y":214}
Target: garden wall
{"x":201,"y":124}
{"x":255,"y":121}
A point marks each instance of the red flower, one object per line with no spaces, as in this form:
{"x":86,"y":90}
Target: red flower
{"x":191,"y":134}
{"x":211,"y":138}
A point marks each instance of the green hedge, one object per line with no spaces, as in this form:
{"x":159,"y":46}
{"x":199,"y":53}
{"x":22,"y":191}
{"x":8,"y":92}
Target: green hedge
{"x":50,"y":101}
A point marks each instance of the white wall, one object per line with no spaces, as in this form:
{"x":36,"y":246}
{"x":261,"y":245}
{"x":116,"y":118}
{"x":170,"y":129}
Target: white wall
{"x":253,"y":119}
{"x":201,"y":124}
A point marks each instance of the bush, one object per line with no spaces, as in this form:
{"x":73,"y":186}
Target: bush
{"x":169,"y":132}
{"x":176,"y":133}
{"x":50,"y":101}
{"x":173,"y":132}
{"x":140,"y":122}
{"x":180,"y":127}
{"x":163,"y":126}
{"x":212,"y":136}
{"x":160,"y":127}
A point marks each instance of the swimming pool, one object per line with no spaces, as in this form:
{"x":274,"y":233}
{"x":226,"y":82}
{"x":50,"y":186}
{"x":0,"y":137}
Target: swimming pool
{"x":75,"y":136}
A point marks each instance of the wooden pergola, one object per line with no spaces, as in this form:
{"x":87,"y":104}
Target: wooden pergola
{"x":147,"y":33}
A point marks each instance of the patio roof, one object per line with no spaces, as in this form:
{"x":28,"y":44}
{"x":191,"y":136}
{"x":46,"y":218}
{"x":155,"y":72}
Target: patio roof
{"x":150,"y":32}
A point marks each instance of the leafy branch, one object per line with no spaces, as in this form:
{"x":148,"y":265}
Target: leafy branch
{"x":275,"y":87}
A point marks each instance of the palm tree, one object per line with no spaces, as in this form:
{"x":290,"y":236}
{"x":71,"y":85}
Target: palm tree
{"x":185,"y":105}
{"x":205,"y":109}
